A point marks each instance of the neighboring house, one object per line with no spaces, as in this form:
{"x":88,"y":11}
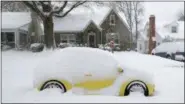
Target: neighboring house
{"x":170,"y":31}
{"x":14,"y":30}
{"x":173,"y":30}
{"x":142,"y":42}
{"x":91,"y":29}
{"x":11,"y":32}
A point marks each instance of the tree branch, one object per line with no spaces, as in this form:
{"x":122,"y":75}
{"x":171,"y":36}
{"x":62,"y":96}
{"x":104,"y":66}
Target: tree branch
{"x":34,"y":8}
{"x":41,"y":2}
{"x":61,"y":8}
{"x":74,"y":6}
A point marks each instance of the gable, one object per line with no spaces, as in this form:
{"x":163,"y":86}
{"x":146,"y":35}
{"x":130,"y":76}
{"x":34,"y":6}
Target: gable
{"x":92,"y":26}
{"x":118,"y":16}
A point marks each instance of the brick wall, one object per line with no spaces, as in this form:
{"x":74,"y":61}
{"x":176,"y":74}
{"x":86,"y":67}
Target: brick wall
{"x":152,"y":41}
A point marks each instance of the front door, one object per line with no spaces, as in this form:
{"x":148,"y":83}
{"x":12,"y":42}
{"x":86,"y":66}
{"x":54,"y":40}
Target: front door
{"x":92,"y":40}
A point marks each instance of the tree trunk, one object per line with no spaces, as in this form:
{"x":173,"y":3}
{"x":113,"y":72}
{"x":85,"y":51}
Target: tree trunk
{"x":48,"y":32}
{"x":136,"y":31}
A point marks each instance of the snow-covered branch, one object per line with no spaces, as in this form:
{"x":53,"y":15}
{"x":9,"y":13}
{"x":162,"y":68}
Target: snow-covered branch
{"x":78,"y":3}
{"x":61,"y":8}
{"x":33,"y":6}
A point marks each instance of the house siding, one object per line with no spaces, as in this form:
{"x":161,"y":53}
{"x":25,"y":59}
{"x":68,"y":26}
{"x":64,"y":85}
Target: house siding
{"x":119,"y":27}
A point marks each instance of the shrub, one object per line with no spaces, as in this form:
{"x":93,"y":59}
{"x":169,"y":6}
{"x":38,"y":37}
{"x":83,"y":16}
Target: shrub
{"x":37,"y":47}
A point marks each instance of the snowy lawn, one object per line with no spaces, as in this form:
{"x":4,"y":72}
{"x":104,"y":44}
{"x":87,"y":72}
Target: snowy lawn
{"x":17,"y":80}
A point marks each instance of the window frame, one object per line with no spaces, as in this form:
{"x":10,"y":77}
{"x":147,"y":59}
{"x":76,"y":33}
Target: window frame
{"x":174,"y":29}
{"x":112,"y":18}
{"x":67,"y":38}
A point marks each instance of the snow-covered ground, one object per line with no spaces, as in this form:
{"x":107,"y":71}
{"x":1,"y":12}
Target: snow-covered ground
{"x":17,"y":80}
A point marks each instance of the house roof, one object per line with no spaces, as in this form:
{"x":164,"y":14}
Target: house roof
{"x":13,"y":20}
{"x":98,"y":14}
{"x":76,"y":21}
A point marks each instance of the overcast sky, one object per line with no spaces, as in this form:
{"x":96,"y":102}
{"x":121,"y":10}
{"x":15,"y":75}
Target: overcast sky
{"x":163,"y":11}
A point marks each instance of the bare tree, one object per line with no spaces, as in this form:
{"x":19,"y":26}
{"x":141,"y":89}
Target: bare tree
{"x":46,"y":10}
{"x":138,"y":10}
{"x":127,"y":8}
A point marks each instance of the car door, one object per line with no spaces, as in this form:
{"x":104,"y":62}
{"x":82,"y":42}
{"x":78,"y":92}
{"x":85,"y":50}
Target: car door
{"x":97,"y":78}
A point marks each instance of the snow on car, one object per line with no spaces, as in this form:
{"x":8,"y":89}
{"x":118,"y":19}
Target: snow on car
{"x":94,"y":70}
{"x":171,"y":50}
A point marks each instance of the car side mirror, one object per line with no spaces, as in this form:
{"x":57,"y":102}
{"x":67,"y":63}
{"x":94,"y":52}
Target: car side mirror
{"x":120,"y":70}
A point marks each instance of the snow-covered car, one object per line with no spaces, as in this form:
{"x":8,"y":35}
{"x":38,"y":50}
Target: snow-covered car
{"x":171,"y":50}
{"x":94,"y":70}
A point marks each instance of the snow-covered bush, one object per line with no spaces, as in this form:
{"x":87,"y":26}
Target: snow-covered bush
{"x":108,"y":48}
{"x":101,"y":46}
{"x":5,"y":47}
{"x":37,"y":47}
{"x":104,"y":47}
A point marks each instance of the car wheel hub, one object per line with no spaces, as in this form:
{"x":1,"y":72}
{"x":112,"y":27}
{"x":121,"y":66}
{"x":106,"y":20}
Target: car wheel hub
{"x":54,"y":85}
{"x":136,"y":88}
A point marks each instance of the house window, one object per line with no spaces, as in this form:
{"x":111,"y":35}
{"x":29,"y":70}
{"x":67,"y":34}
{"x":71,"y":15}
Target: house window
{"x":7,"y":36}
{"x":23,"y":38}
{"x":10,"y":36}
{"x":68,"y":38}
{"x":174,"y":29}
{"x":112,"y":19}
{"x":71,"y":38}
{"x":140,"y":46}
{"x":63,"y":38}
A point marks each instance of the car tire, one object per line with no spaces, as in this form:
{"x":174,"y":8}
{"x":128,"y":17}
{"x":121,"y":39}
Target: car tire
{"x":168,"y":57}
{"x":53,"y":84}
{"x":136,"y":83}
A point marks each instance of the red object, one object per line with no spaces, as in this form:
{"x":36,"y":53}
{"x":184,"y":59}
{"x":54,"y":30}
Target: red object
{"x":111,"y":44}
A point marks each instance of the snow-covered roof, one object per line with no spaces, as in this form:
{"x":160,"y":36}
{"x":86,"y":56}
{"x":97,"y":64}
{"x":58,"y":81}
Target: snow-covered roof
{"x":73,"y":23}
{"x":80,"y":17}
{"x":13,"y":20}
{"x":76,"y":21}
{"x":165,"y":31}
{"x":98,"y":14}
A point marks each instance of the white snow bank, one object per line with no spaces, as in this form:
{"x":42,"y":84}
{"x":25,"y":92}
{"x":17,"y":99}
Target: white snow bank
{"x":74,"y":63}
{"x":137,"y":61}
{"x":17,"y":80}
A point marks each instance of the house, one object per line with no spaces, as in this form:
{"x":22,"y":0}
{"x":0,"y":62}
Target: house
{"x":92,"y":29}
{"x":164,"y":32}
{"x":10,"y":30}
{"x":14,"y":30}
